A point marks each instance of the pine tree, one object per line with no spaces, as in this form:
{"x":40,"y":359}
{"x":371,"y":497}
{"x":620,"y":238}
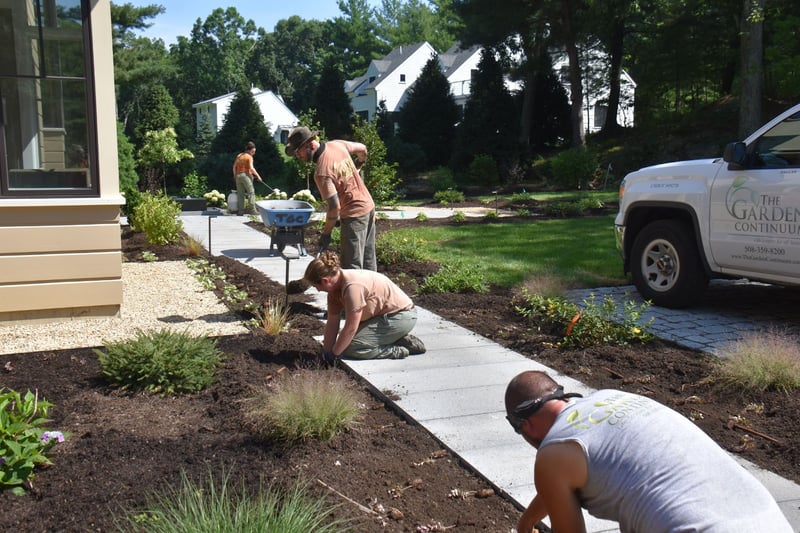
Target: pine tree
{"x":429,"y":116}
{"x":243,"y":122}
{"x":332,"y":104}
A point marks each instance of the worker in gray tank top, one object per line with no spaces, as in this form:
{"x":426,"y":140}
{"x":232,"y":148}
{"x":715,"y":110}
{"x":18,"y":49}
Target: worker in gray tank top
{"x":627,"y":458}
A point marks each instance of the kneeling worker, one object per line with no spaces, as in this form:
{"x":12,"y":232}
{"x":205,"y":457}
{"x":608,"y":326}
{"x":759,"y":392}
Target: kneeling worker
{"x":627,"y":458}
{"x":378,"y":314}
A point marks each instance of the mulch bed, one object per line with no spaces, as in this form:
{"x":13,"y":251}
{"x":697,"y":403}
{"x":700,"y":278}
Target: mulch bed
{"x":125,"y":446}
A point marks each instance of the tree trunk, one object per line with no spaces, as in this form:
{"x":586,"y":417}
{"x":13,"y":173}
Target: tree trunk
{"x":615,"y":51}
{"x":575,"y":82}
{"x":752,"y":66}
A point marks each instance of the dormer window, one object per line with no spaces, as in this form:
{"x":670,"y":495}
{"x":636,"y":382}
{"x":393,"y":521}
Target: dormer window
{"x":402,"y":78}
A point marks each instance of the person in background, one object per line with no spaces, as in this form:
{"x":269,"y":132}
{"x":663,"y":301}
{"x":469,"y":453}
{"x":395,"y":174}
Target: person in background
{"x":627,"y":458}
{"x":243,"y":174}
{"x":340,"y":184}
{"x":378,"y":315}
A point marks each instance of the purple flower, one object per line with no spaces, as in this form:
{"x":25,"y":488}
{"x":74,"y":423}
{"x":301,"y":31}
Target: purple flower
{"x":47,"y":435}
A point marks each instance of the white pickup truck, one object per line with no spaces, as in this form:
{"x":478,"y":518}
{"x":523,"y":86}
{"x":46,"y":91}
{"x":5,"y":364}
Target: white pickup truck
{"x":738,"y":216}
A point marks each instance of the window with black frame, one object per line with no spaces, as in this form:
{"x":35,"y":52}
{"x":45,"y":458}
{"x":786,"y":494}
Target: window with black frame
{"x":46,"y":143}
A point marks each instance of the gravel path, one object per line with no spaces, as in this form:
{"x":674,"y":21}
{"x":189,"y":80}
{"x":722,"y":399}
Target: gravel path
{"x":158,"y":295}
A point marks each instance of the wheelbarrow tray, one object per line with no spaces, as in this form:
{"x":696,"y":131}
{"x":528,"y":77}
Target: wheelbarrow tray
{"x":284,"y":213}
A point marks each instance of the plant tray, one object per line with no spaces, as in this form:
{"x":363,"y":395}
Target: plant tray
{"x":284,"y":212}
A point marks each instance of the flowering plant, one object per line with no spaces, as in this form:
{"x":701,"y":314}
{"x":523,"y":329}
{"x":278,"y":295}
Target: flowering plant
{"x":215,"y":199}
{"x":23,"y":443}
{"x":304,"y":196}
{"x":277,"y":194}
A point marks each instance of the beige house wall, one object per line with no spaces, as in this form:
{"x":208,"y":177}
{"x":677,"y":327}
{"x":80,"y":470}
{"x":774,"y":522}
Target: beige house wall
{"x":60,"y":257}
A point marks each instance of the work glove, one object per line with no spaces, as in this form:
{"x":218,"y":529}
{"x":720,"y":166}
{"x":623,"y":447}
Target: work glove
{"x":324,"y":241}
{"x":328,"y":359}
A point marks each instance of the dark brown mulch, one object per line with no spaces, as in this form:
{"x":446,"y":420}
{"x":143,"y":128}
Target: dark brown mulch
{"x":122,"y":447}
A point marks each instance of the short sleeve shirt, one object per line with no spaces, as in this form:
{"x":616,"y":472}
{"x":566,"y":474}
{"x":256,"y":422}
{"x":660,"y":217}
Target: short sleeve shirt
{"x":371,"y":292}
{"x":336,"y":173}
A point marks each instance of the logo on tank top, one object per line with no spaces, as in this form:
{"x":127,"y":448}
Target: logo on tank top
{"x":613,"y":411}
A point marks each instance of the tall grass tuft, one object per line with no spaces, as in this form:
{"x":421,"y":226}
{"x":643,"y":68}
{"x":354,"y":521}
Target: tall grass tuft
{"x":760,"y":362}
{"x":192,"y":246}
{"x":273,"y":317}
{"x":222,"y":507}
{"x":310,"y":404}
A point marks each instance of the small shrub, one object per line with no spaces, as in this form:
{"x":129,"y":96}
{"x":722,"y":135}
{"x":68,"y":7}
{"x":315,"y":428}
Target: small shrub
{"x":399,"y":247}
{"x":562,"y":209}
{"x":310,"y":404}
{"x":449,"y":196}
{"x":459,"y":216}
{"x":218,"y":506}
{"x":574,"y":167}
{"x":491,"y":215}
{"x":194,"y":185}
{"x":159,"y":218}
{"x":442,"y":179}
{"x":457,"y":277}
{"x":761,"y":362}
{"x":274,"y":317}
{"x":165,"y":362}
{"x":594,"y":324}
{"x":215,"y":199}
{"x":421,"y":217}
{"x":523,"y":212}
{"x":381,"y":216}
{"x":483,"y":170}
{"x":24,"y":444}
{"x":149,"y":257}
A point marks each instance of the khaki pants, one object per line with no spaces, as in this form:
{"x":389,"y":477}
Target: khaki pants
{"x":244,"y":190}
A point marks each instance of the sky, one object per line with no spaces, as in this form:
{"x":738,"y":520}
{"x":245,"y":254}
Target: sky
{"x":180,"y":15}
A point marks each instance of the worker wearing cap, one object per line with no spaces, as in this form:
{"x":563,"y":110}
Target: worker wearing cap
{"x":627,"y":458}
{"x":337,"y":177}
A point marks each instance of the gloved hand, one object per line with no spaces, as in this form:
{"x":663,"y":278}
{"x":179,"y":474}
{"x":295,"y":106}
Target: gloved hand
{"x":324,"y":241}
{"x":328,"y":359}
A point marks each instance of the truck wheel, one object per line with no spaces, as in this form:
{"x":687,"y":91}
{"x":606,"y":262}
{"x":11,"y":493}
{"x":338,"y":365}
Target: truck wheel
{"x":665,"y":264}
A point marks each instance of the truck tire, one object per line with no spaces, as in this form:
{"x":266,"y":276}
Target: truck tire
{"x":665,"y":264}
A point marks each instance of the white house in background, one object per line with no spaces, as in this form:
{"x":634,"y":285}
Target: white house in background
{"x":389,"y":79}
{"x":594,"y":71}
{"x":279,"y":119}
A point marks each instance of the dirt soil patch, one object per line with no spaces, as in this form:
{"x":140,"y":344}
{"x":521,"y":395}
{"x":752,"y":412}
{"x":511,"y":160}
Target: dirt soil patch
{"x":123,"y":447}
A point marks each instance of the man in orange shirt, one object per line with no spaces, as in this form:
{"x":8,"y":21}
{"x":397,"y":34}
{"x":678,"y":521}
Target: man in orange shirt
{"x":341,"y":185}
{"x":243,"y":174}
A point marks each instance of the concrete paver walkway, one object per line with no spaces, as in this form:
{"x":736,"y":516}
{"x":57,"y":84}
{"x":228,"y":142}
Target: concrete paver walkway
{"x":467,"y":416}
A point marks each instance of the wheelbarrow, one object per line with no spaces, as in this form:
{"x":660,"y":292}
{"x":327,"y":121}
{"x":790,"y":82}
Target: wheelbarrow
{"x":287,"y":220}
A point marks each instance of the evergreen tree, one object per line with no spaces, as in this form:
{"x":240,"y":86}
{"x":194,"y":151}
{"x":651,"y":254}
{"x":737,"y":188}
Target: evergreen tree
{"x":128,"y":178}
{"x":429,"y":116}
{"x":244,"y":122}
{"x":332,"y":104}
{"x":156,"y":111}
{"x":551,"y":112}
{"x":490,"y":125}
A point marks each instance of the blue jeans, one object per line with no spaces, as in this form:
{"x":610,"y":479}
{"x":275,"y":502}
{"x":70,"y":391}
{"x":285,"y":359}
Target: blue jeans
{"x":375,"y":337}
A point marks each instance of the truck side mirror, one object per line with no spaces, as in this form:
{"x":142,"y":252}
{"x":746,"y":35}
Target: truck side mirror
{"x":735,"y":154}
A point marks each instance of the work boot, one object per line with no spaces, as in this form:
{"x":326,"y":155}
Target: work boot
{"x":413,"y":344}
{"x":398,"y":352}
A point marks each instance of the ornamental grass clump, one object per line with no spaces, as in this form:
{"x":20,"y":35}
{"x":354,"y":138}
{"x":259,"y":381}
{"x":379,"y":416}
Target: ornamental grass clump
{"x":309,"y":404}
{"x":24,"y":443}
{"x":163,"y":362}
{"x":760,"y":362}
{"x":224,"y":507}
{"x":273,"y":317}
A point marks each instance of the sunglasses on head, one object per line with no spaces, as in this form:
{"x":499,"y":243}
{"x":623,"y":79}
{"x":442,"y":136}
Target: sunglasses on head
{"x":527,"y":408}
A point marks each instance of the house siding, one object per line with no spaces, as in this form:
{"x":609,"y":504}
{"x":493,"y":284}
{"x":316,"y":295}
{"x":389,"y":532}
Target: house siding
{"x":61,"y":257}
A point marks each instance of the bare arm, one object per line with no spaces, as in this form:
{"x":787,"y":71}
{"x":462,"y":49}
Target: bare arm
{"x":332,"y":214}
{"x":351,"y":322}
{"x":533,"y":515}
{"x":560,"y":471}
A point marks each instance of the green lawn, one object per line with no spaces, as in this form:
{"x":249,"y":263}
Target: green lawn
{"x":579,"y":251}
